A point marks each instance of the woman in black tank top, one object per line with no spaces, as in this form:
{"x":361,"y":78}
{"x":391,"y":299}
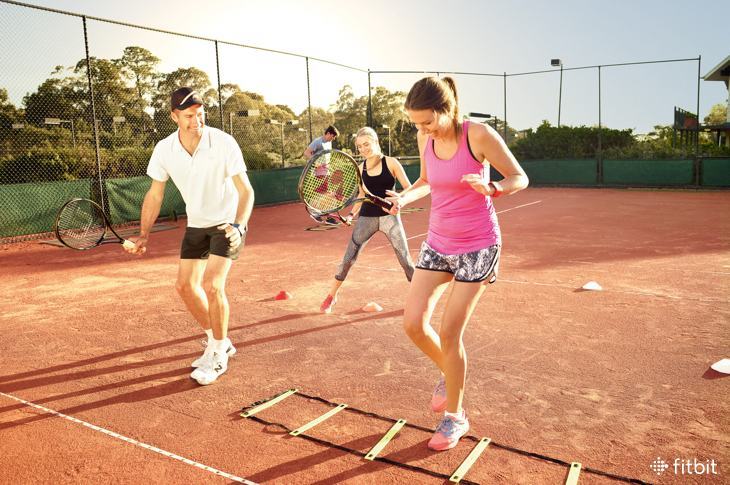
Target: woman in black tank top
{"x":379,"y":174}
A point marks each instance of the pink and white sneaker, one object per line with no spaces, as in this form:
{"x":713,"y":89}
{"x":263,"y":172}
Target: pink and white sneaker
{"x":448,"y":433}
{"x":327,"y":304}
{"x":438,"y":398}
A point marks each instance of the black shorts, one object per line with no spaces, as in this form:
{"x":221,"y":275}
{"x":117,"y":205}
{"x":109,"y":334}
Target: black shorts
{"x":473,"y":267}
{"x":199,"y":242}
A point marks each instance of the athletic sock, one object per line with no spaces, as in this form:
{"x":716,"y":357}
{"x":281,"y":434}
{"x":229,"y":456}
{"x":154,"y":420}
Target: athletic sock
{"x":219,"y":345}
{"x":209,"y":334}
{"x":461,"y":415}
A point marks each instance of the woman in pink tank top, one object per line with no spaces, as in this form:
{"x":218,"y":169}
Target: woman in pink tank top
{"x":463,"y":242}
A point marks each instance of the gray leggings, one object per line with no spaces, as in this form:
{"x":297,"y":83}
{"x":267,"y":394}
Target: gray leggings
{"x":365,"y":228}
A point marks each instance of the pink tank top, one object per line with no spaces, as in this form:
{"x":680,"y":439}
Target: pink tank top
{"x":462,"y":220}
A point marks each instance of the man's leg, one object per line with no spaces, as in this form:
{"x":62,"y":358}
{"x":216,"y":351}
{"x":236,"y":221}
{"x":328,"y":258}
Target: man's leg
{"x":189,"y":287}
{"x":214,"y":283}
{"x":214,"y":279}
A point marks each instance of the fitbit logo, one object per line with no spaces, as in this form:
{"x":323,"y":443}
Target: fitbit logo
{"x":659,"y":466}
{"x":682,"y":466}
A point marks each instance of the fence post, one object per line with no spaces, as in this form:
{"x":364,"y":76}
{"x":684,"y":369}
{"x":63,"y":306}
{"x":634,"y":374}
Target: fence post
{"x":600,"y":153}
{"x":697,"y":169}
{"x":505,"y":107}
{"x":220,"y":95}
{"x":309,"y":101}
{"x":93,"y":116}
{"x":370,"y":102}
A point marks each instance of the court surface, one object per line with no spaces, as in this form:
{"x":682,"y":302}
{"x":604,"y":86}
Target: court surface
{"x":96,"y":348}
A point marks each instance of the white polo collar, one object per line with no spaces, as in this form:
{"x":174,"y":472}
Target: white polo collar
{"x":205,"y":143}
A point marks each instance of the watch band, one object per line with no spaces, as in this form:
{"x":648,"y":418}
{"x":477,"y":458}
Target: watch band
{"x":238,"y":226}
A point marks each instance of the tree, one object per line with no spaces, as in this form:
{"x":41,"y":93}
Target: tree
{"x":321,"y":119}
{"x":228,"y":90}
{"x":8,"y":113}
{"x":717,"y":115}
{"x":351,"y":115}
{"x":54,"y":98}
{"x":139,"y":66}
{"x":550,"y":142}
{"x":388,"y":110}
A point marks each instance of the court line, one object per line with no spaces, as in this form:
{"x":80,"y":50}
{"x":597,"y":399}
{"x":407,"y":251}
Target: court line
{"x":131,"y":440}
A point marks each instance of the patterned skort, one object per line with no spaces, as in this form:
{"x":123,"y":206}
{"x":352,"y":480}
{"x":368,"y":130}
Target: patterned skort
{"x":472,"y":267}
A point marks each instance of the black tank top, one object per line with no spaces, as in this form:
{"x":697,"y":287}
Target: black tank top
{"x":377,"y":186}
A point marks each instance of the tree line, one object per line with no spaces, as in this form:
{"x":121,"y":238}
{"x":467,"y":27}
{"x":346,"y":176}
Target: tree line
{"x":131,"y":112}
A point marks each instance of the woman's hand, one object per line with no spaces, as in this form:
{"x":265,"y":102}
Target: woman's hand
{"x":395,"y":199}
{"x":477,"y":183}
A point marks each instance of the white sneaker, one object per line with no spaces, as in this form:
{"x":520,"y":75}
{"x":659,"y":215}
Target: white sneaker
{"x":230,"y":350}
{"x":207,"y":374}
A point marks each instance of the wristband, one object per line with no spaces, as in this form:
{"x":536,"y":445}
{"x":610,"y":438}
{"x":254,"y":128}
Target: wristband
{"x":238,"y":226}
{"x":496,"y":191}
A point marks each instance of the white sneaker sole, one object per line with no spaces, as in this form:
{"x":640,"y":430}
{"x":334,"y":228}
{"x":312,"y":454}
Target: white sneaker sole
{"x":205,"y":380}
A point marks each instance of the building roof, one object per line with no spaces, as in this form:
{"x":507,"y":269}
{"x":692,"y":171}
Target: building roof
{"x":721,"y":72}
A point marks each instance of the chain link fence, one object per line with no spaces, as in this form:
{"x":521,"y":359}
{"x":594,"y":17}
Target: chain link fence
{"x":83,"y":101}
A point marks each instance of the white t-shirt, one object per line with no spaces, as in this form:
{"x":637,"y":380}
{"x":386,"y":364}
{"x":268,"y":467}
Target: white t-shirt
{"x":204,"y":179}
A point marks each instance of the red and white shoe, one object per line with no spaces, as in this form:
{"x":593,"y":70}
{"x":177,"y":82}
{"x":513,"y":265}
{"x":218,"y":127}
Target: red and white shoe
{"x":328,"y":304}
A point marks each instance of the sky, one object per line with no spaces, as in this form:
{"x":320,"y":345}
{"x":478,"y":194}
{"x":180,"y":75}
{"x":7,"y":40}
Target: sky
{"x":492,"y":37}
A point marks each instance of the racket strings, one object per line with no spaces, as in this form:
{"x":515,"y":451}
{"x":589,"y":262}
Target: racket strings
{"x":80,"y":225}
{"x":330,"y":182}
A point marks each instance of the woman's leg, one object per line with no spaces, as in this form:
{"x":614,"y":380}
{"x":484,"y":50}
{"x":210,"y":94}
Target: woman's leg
{"x":459,"y":307}
{"x":424,"y":292}
{"x":392,"y":227}
{"x":365,"y":228}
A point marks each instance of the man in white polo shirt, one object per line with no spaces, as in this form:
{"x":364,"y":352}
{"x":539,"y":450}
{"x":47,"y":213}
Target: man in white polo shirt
{"x":207,"y":167}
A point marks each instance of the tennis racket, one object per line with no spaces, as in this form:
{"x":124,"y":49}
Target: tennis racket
{"x":81,"y":224}
{"x":331,"y":181}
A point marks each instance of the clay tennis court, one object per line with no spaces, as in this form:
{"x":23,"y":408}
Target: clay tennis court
{"x":96,"y":348}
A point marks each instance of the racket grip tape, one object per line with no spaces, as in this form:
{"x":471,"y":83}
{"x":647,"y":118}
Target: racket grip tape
{"x":128,"y":244}
{"x":381,"y":202}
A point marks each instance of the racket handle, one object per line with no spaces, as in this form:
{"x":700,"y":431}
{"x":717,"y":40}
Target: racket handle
{"x":128,"y":244}
{"x":381,"y":202}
